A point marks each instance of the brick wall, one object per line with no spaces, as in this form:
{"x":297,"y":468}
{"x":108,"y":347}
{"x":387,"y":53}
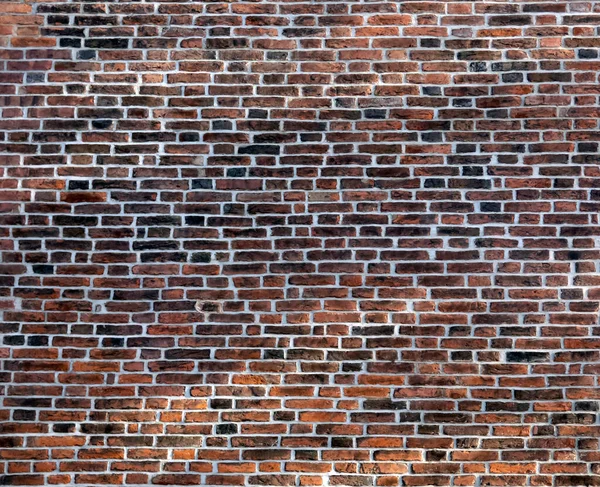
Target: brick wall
{"x":299,"y":243}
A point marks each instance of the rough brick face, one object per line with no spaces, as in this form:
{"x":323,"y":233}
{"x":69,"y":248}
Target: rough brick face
{"x":299,"y":243}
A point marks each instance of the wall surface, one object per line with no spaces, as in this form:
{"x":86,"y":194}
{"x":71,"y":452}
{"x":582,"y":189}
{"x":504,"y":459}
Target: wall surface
{"x":299,"y":243}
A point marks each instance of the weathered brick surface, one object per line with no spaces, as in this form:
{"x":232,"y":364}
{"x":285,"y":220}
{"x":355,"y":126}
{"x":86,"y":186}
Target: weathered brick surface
{"x":299,"y":243}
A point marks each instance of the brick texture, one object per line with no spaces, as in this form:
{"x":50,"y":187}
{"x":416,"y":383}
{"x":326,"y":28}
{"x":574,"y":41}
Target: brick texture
{"x":299,"y":243}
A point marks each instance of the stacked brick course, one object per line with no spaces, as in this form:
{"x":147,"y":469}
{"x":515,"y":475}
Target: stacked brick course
{"x":299,"y":243}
